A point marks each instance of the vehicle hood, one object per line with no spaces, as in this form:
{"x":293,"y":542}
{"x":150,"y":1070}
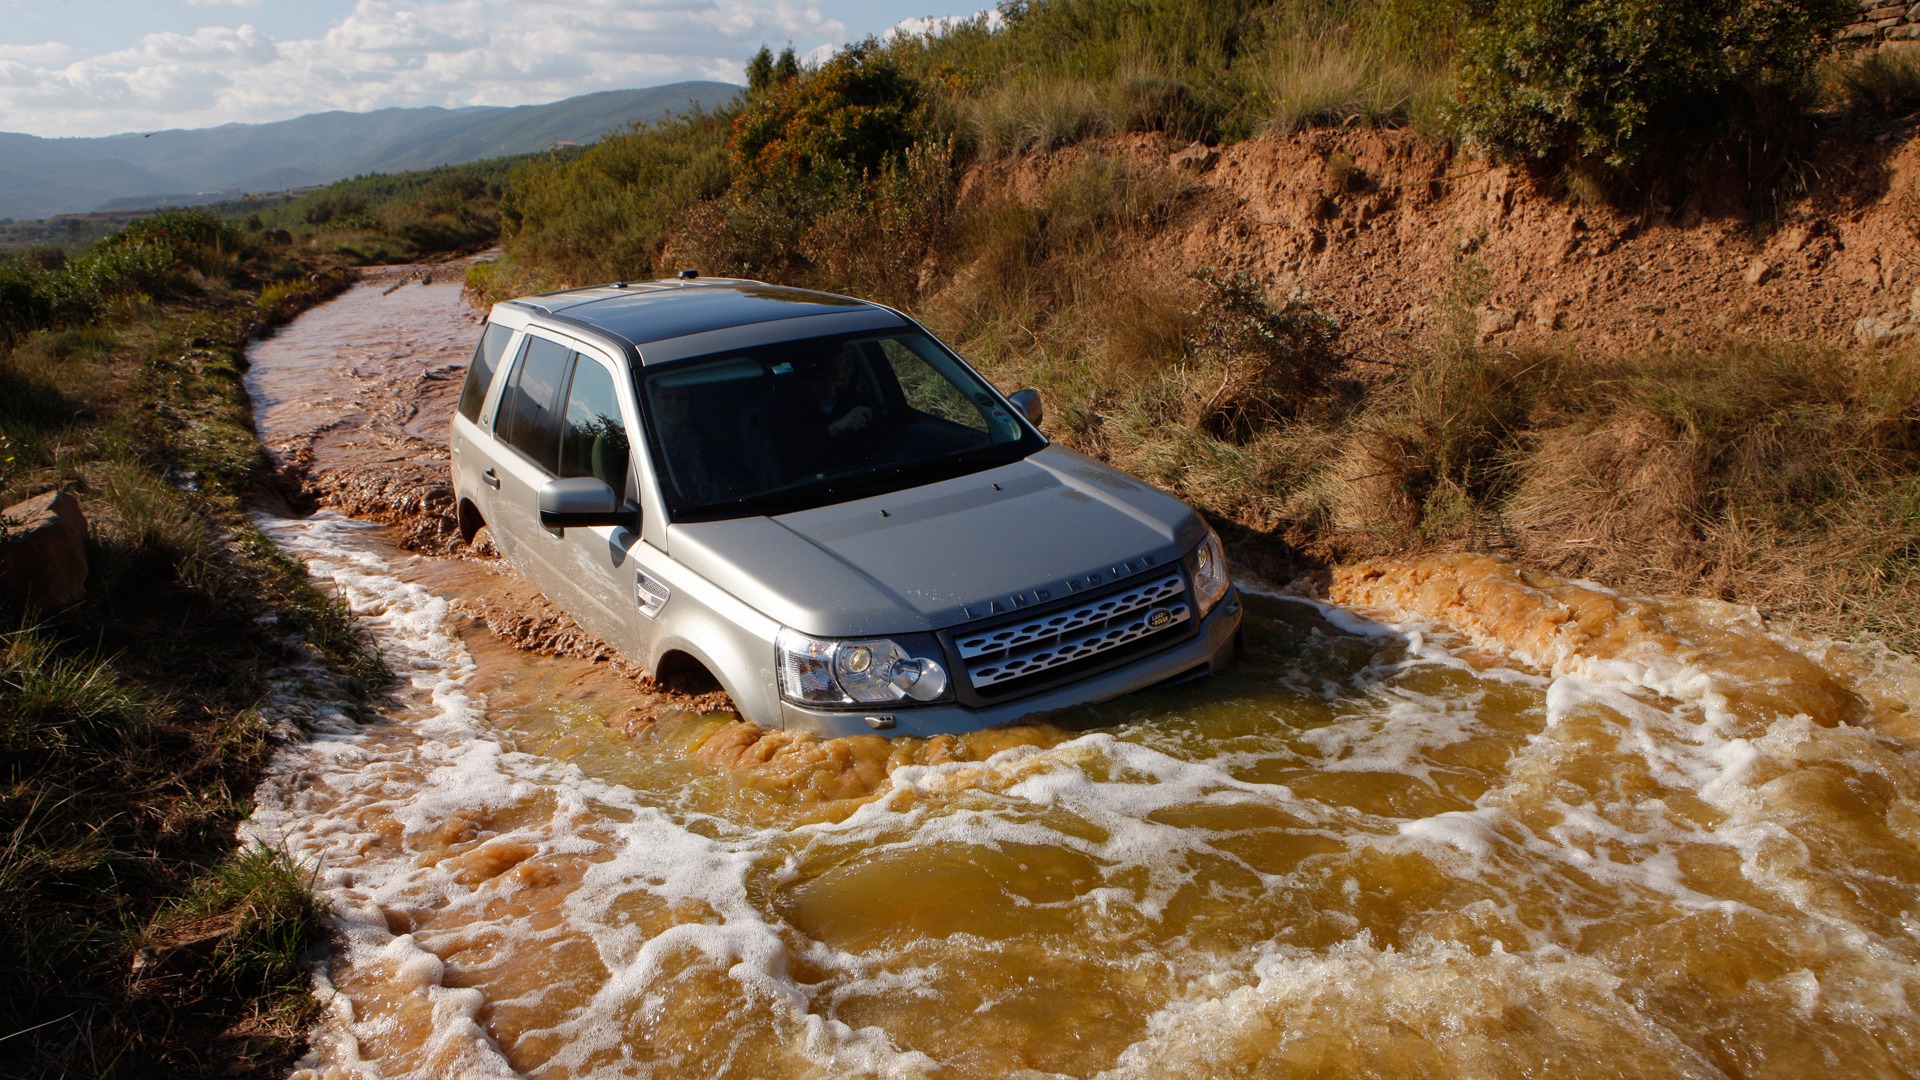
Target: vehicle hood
{"x":946,"y":553}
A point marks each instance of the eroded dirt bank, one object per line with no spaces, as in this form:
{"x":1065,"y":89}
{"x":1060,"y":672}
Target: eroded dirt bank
{"x":1385,"y":229}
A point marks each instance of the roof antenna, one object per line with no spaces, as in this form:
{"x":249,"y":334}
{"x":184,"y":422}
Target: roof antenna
{"x":689,"y":275}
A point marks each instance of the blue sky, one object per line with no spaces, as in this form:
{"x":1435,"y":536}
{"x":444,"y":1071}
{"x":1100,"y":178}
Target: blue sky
{"x":98,"y":67}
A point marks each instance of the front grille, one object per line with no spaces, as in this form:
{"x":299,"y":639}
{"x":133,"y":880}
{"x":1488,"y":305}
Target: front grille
{"x":1011,"y":656}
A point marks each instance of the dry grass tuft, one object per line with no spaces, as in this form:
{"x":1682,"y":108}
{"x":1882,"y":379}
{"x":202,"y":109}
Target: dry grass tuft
{"x":1881,"y":82}
{"x":1318,"y":73}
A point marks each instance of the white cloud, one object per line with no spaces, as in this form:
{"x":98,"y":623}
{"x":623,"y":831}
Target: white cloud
{"x":940,"y":24}
{"x":49,"y":52}
{"x":392,"y":53}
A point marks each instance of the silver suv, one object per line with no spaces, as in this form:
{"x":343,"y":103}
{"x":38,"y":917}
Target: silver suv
{"x":819,"y":504}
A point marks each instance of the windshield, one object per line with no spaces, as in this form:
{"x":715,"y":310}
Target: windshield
{"x":798,"y":424}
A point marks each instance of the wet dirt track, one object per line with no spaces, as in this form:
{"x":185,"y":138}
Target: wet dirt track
{"x":1455,"y":819}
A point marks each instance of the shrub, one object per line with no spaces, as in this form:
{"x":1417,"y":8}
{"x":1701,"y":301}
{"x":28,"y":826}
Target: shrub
{"x":883,"y":242}
{"x":1270,"y":362}
{"x":858,"y":114}
{"x":23,"y":301}
{"x":1556,"y":81}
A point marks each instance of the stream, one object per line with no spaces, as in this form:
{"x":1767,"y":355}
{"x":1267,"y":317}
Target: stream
{"x":1453,"y":819}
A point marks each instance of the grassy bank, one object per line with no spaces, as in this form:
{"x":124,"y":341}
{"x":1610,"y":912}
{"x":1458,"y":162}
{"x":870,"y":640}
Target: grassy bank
{"x":388,"y":219}
{"x":139,"y":940}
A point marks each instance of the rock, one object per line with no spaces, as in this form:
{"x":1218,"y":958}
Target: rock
{"x":43,"y":550}
{"x":1548,"y":313}
{"x":1757,"y":272}
{"x":1493,"y":321}
{"x":1196,"y":158}
{"x":1885,"y":328}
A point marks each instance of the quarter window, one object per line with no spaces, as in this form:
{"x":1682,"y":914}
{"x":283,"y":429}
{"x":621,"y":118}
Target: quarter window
{"x":594,"y":440}
{"x":529,"y":417}
{"x":486,"y":361}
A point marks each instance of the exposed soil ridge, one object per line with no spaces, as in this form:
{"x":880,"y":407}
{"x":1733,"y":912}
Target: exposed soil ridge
{"x":1378,"y":226}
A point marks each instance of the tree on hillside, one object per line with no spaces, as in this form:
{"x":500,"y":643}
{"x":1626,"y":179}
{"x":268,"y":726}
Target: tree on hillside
{"x":766,"y":72}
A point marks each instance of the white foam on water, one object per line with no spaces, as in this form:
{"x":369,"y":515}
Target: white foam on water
{"x":1124,"y":804}
{"x":437,"y":762}
{"x":1354,"y":1009}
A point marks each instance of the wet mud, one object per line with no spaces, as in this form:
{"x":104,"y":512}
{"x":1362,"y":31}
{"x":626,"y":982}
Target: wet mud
{"x":1455,"y":818}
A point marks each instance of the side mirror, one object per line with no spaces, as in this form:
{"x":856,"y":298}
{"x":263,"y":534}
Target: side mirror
{"x":580,"y":500}
{"x":1028,"y":402}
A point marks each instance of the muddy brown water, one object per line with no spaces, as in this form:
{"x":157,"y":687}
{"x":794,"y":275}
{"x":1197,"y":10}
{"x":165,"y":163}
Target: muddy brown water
{"x":1456,"y":820}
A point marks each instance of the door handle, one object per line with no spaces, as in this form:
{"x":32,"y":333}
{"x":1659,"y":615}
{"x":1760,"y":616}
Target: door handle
{"x":490,"y":479}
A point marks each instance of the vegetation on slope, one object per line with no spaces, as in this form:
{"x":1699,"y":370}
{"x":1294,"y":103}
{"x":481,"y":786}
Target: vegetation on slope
{"x":391,"y":218}
{"x":1775,"y":474}
{"x":138,"y":939}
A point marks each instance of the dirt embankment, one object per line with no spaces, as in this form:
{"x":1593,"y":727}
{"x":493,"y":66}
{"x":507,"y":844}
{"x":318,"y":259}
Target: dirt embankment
{"x":1381,"y":228}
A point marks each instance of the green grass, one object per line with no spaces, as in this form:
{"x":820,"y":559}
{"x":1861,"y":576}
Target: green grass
{"x":264,"y":907}
{"x":129,"y":722}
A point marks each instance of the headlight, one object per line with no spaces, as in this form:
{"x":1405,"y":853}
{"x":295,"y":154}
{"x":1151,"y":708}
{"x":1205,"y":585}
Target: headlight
{"x":1208,"y":567}
{"x":867,"y":671}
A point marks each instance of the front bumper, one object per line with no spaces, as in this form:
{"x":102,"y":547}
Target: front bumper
{"x":1209,"y":650}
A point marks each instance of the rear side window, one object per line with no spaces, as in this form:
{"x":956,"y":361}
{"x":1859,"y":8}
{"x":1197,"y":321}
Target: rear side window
{"x":594,"y":442}
{"x":486,"y":361}
{"x":529,"y":417}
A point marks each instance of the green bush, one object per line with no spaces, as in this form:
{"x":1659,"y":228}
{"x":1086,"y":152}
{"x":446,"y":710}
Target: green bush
{"x":23,"y":302}
{"x":1557,"y":82}
{"x":857,"y":114}
{"x":152,"y":257}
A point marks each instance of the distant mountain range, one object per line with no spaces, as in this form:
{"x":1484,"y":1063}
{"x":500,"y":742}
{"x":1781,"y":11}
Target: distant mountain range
{"x":42,"y":177}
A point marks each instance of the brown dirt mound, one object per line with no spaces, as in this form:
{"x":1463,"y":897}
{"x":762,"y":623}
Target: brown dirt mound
{"x":1380,"y":227}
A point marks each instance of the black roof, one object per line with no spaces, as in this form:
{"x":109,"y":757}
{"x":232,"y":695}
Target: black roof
{"x":649,"y":311}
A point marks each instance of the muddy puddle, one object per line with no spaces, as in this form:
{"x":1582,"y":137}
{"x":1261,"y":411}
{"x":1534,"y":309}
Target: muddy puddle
{"x":1454,"y":819}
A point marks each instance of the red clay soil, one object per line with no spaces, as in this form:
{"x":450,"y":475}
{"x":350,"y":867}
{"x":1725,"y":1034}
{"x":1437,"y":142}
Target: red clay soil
{"x":1374,"y":226}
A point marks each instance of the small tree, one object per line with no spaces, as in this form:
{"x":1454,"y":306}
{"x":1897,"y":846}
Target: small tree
{"x":765,"y":73}
{"x":1562,"y":81}
{"x":858,"y":113}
